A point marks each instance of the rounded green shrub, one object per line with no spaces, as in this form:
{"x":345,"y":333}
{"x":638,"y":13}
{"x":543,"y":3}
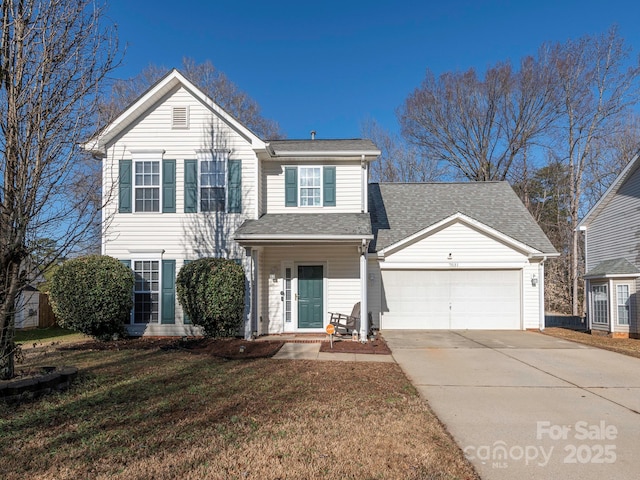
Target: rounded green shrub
{"x":211,"y":292}
{"x":93,"y":295}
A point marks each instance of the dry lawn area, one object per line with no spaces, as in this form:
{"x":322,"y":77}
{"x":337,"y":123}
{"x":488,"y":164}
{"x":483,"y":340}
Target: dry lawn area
{"x":167,"y":414}
{"x":626,"y":346}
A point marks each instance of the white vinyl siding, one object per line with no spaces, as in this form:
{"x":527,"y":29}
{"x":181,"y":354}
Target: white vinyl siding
{"x":348,"y":188}
{"x":342,"y":286}
{"x":181,"y":236}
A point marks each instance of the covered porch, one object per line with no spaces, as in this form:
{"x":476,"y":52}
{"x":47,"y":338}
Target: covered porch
{"x":304,"y":266}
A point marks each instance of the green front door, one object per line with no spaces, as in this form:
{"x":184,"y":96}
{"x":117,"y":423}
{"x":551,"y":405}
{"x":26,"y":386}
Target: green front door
{"x":310,"y":296}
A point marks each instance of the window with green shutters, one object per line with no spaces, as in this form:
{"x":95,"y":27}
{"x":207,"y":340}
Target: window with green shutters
{"x":213,"y":183}
{"x":310,"y":186}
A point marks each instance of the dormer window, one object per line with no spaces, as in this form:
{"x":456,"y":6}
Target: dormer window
{"x":180,"y":117}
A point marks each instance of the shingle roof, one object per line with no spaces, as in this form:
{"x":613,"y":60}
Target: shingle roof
{"x":399,"y":210}
{"x":355,"y":146}
{"x":616,"y":266}
{"x":301,"y":224}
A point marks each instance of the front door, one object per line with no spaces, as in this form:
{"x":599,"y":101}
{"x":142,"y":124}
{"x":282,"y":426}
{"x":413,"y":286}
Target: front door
{"x":310,"y":279}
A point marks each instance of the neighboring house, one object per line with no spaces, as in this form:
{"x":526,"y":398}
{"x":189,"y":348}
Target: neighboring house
{"x":183,"y":179}
{"x":612,"y":256}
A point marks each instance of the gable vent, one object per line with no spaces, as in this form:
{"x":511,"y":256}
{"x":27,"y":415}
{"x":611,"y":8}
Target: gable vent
{"x":180,"y":117}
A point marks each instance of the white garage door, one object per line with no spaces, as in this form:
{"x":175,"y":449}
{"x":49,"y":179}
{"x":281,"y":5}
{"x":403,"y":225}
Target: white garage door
{"x":451,"y":299}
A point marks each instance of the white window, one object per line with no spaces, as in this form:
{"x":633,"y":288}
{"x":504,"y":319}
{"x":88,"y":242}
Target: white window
{"x":212,"y":178}
{"x":623,"y":304}
{"x":310,"y":186}
{"x":146,"y":292}
{"x":599,"y":304}
{"x":147,"y":186}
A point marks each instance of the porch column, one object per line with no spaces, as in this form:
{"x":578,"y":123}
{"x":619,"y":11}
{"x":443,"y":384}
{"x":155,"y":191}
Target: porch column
{"x":541,"y":294}
{"x":364,"y":308}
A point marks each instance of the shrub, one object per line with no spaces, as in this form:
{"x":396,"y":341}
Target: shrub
{"x":211,"y":291}
{"x":93,"y":295}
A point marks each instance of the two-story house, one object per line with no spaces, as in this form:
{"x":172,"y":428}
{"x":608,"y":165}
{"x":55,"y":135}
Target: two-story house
{"x":182,"y":179}
{"x":612,"y":255}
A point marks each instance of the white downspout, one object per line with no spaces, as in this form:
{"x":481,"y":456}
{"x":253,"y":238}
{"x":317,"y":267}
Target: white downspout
{"x":364,"y":307}
{"x":364,"y":176}
{"x":541,"y":292}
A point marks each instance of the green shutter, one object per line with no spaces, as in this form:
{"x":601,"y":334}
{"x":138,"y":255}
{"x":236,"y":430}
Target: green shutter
{"x":329,"y":186}
{"x":168,"y":291}
{"x":125,"y":189}
{"x":185,"y":318}
{"x":291,"y":186}
{"x":234,"y":186}
{"x":168,"y":186}
{"x":190,"y":186}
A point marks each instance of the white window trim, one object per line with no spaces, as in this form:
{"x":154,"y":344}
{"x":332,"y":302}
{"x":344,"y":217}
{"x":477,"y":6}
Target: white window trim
{"x":618,"y":304}
{"x":151,"y":155}
{"x":593,"y":303}
{"x":207,"y":155}
{"x":320,"y":167}
{"x":147,"y":258}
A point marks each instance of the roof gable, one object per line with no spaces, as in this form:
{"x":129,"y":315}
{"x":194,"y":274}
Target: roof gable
{"x":613,"y":189}
{"x":149,"y":99}
{"x":402,"y":210}
{"x":461,"y":219}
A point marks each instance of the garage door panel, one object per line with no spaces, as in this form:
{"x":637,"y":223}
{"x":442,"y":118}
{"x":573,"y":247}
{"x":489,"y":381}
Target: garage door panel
{"x":452,"y":299}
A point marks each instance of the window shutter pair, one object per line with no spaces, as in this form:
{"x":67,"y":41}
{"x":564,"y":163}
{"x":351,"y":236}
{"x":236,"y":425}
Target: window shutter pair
{"x":125,"y":193}
{"x":234,"y":186}
{"x":328,"y":186}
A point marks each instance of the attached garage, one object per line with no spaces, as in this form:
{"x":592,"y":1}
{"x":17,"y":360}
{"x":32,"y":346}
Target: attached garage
{"x":452,"y":299}
{"x":455,"y":256}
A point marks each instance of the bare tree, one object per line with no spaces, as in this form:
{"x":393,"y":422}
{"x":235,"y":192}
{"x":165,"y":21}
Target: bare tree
{"x":596,"y":89}
{"x":54,"y":54}
{"x":479,"y":126}
{"x":211,"y":80}
{"x":398,"y":160}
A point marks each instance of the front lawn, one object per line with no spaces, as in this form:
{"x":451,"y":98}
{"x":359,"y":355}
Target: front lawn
{"x":140,"y":414}
{"x":626,"y":346}
{"x":47,"y":335}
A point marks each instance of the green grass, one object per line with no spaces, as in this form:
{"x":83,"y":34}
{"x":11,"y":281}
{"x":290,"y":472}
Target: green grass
{"x":139,"y":414}
{"x":45,"y":335}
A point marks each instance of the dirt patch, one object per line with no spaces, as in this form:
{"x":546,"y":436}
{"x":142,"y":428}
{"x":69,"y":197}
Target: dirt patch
{"x":230,"y":348}
{"x":375,"y":347}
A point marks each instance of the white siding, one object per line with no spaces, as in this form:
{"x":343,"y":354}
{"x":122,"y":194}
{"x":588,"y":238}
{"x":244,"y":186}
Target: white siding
{"x":348,"y":187}
{"x":466,"y":245}
{"x":531,"y":296}
{"x":176,"y":236}
{"x":341,"y":271}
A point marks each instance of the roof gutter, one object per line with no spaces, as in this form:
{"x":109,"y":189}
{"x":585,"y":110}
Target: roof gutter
{"x":301,"y":238}
{"x":334,"y":153}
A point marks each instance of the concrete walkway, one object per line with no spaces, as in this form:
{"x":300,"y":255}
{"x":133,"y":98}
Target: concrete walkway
{"x":311,"y":351}
{"x":528,"y":406}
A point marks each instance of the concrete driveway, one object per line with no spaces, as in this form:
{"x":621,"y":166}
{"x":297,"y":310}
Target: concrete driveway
{"x":525,"y":405}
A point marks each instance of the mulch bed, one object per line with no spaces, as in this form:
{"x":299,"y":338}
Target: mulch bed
{"x":229,"y":348}
{"x":376,"y":347}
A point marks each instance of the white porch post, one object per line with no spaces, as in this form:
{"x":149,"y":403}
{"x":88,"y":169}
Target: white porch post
{"x":541,"y":294}
{"x":364,"y":308}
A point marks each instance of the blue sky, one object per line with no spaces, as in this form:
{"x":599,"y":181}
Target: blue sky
{"x":329,"y":65}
